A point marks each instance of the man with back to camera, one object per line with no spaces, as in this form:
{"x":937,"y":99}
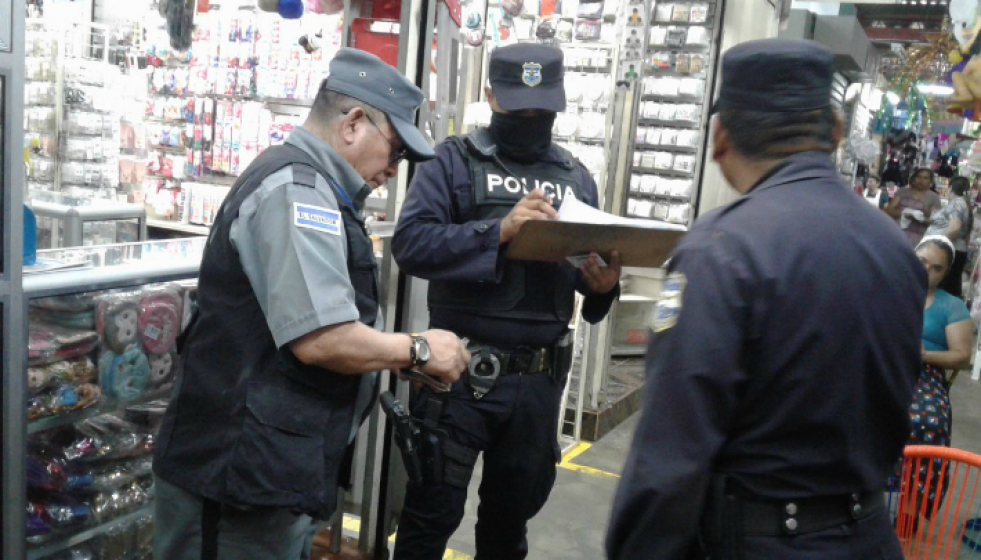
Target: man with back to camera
{"x":776,"y":400}
{"x":253,"y":441}
{"x":459,"y":215}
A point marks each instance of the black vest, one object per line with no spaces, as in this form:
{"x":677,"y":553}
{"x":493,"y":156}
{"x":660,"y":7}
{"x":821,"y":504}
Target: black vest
{"x":529,"y":290}
{"x":250,"y":425}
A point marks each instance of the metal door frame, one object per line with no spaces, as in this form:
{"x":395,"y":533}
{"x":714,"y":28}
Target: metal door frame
{"x":13,"y":328}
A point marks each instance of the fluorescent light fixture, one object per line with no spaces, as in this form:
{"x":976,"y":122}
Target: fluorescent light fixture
{"x":935,"y":89}
{"x":893,"y":97}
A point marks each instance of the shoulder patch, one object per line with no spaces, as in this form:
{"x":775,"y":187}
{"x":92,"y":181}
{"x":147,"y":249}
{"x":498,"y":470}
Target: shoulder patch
{"x":317,"y":218}
{"x":668,"y":307}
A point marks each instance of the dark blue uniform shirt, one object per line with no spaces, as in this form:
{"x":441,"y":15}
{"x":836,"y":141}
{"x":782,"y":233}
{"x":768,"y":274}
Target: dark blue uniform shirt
{"x":790,"y":364}
{"x":437,"y":238}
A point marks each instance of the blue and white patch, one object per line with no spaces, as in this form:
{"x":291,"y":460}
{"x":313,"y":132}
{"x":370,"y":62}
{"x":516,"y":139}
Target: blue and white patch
{"x":317,"y":218}
{"x":532,"y":75}
{"x":668,"y":307}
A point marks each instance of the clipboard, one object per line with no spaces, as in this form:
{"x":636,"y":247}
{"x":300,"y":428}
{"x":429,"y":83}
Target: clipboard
{"x":553,"y":241}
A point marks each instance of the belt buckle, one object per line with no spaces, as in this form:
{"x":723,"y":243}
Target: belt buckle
{"x":483,"y":371}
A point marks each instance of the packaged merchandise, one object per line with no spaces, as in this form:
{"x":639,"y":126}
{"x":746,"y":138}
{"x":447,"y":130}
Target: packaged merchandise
{"x":678,"y":213}
{"x":669,"y":137}
{"x":75,"y":372}
{"x":688,"y":113}
{"x":681,"y":13}
{"x":590,"y":10}
{"x":635,"y":183}
{"x":124,"y":376}
{"x":699,"y":12}
{"x":698,"y":35}
{"x":668,"y":112}
{"x":663,"y":160}
{"x":697,"y":63}
{"x":688,"y":138}
{"x":682,"y":63}
{"x":653,"y":136}
{"x":692,"y":87}
{"x":592,"y":126}
{"x":640,"y":135}
{"x":663,"y":11}
{"x":682,"y":188}
{"x":160,"y":314}
{"x":588,"y":30}
{"x":676,"y":37}
{"x":648,"y":184}
{"x":117,"y":320}
{"x":659,"y":35}
{"x":49,"y":343}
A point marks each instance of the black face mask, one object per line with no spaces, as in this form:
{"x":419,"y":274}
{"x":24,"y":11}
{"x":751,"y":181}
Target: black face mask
{"x":523,"y":139}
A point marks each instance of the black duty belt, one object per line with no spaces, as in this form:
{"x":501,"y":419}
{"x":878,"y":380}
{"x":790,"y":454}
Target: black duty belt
{"x":798,"y":517}
{"x":514,"y":360}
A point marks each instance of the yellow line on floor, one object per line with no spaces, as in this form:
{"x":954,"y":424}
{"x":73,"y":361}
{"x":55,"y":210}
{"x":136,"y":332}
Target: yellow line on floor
{"x":353,"y":524}
{"x":576,"y":451}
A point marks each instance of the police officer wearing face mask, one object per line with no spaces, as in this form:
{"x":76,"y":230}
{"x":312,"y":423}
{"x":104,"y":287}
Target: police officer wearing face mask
{"x":460,"y":212}
{"x":776,"y":401}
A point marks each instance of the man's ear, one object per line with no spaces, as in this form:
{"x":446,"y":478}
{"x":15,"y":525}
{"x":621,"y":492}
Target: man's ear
{"x":837,"y":131}
{"x":489,"y":94}
{"x":348,"y":123}
{"x":721,"y":143}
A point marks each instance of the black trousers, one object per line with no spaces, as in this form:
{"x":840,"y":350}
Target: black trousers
{"x":954,"y":281}
{"x":515,"y":427}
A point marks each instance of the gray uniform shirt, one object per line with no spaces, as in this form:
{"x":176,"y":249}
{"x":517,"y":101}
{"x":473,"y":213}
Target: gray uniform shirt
{"x":299,"y":274}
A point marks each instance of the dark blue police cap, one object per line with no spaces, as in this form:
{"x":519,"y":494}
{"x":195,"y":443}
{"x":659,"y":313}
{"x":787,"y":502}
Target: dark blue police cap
{"x":366,"y":77}
{"x":528,"y":76}
{"x":776,"y":75}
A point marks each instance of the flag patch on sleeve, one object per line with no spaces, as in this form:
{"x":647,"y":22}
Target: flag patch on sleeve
{"x":317,"y":218}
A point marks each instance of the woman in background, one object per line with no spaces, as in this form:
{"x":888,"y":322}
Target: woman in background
{"x":947,"y":340}
{"x":955,"y":222}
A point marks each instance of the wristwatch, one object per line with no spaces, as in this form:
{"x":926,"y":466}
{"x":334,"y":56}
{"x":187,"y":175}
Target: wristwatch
{"x":419,"y":351}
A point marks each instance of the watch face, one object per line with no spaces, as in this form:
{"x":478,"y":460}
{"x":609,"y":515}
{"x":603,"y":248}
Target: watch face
{"x":423,"y":352}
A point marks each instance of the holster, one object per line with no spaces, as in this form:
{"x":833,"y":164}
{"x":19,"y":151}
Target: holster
{"x":443,"y":460}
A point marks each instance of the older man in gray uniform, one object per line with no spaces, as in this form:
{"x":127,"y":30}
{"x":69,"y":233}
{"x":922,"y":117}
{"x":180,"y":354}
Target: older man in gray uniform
{"x":255,"y":439}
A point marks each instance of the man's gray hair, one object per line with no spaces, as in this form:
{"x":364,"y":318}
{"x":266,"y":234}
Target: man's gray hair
{"x":331,"y":105}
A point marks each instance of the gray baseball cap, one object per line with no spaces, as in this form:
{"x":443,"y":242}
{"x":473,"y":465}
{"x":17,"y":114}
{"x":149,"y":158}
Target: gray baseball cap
{"x":366,"y":77}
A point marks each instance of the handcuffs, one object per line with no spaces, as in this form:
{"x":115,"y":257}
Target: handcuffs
{"x":483,"y":371}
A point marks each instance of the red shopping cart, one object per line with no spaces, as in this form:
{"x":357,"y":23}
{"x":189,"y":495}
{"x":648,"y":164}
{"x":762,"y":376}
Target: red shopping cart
{"x":936,"y":503}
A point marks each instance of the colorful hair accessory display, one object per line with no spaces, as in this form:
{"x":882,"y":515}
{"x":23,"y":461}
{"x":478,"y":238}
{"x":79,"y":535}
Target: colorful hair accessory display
{"x":124,"y":376}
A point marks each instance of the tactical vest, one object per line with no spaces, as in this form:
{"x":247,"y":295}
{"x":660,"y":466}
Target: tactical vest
{"x":529,"y":290}
{"x":252,"y":426}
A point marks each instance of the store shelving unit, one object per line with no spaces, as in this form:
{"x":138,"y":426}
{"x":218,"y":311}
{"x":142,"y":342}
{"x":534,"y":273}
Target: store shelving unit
{"x":87,"y":535}
{"x":113,"y":266}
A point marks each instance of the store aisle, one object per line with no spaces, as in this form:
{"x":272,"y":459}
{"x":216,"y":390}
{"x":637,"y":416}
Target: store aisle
{"x":572,"y":525}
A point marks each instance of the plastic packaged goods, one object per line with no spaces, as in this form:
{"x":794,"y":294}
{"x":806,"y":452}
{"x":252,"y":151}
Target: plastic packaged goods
{"x":48,"y":343}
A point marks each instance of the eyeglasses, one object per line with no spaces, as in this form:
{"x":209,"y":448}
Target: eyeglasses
{"x":395,"y":155}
